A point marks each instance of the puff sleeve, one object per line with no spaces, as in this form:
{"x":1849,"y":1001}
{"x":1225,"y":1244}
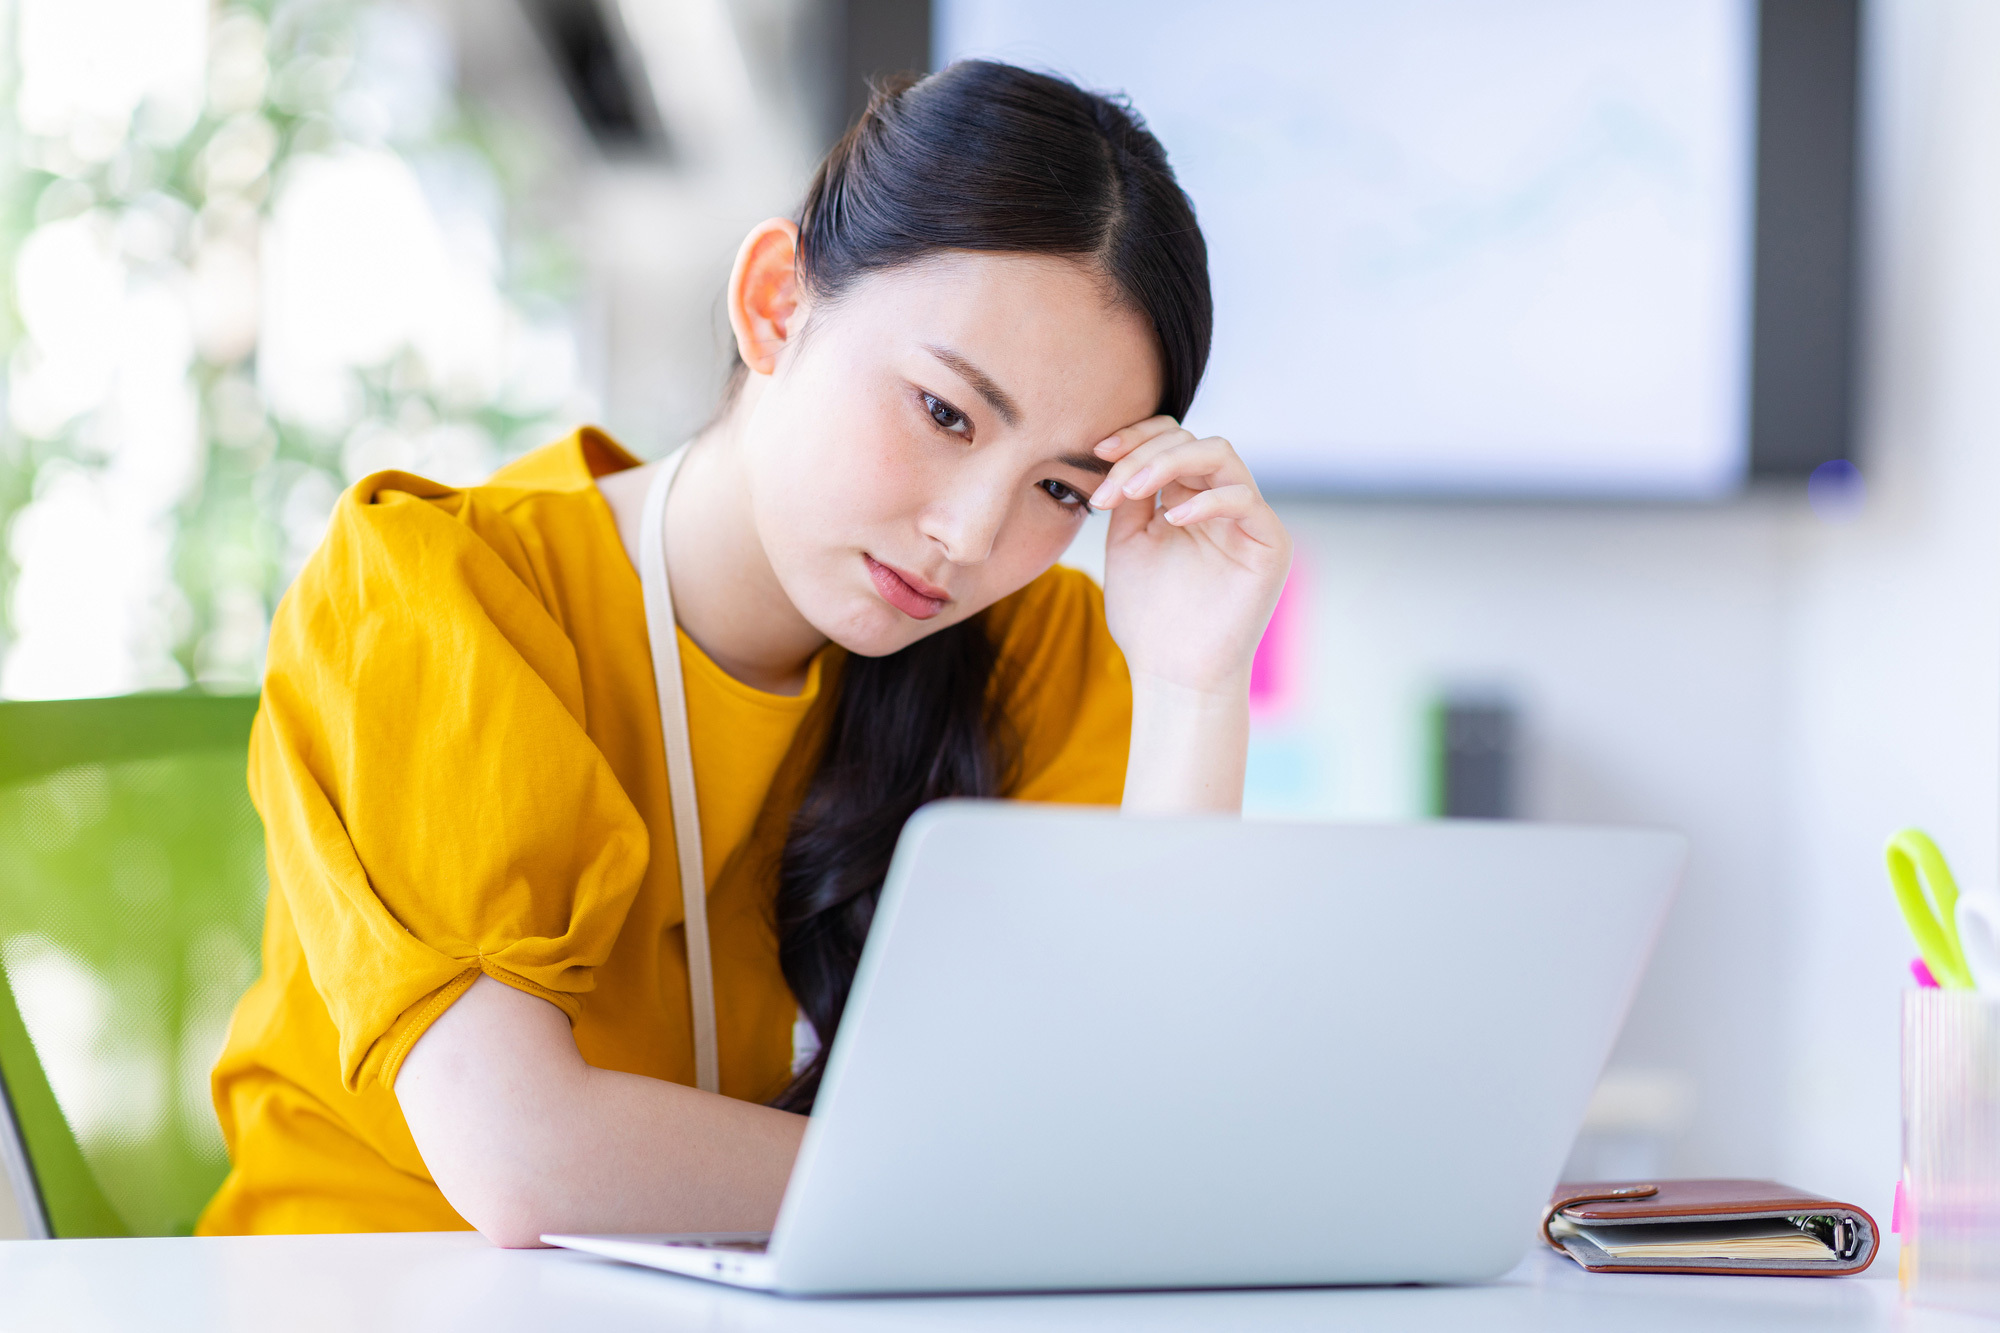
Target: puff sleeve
{"x":434,"y":808}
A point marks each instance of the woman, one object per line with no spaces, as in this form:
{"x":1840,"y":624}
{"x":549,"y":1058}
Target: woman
{"x":476,"y":1006}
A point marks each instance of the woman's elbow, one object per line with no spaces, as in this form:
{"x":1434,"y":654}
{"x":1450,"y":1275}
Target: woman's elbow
{"x":514,"y":1228}
{"x":484,"y":1092}
{"x":511,"y":1213}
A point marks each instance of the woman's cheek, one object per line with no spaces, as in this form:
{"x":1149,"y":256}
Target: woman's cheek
{"x":895,"y":476}
{"x":1036,"y":539}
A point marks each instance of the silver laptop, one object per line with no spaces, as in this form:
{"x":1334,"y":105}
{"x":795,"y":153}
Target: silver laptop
{"x":1088,"y":1051}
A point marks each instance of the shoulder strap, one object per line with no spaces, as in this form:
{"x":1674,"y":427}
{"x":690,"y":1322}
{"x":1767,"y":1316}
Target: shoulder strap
{"x":666,"y":646}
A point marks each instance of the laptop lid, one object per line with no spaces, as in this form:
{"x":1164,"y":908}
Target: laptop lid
{"x":1085,"y":1050}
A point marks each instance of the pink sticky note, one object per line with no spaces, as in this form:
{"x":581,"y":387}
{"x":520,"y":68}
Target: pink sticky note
{"x":1275,"y":670}
{"x":1922,"y":972}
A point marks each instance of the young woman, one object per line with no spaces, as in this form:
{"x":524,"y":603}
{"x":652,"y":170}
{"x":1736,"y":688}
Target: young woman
{"x":476,"y":1005}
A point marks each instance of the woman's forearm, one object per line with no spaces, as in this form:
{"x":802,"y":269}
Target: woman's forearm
{"x":524,"y":1138}
{"x":1188,"y":748}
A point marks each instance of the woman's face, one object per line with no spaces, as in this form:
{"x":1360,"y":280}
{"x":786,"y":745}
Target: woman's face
{"x":923,"y":449}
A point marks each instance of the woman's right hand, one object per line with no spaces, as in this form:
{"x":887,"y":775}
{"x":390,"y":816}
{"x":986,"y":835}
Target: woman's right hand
{"x":1195,"y":559}
{"x":1193,"y":566}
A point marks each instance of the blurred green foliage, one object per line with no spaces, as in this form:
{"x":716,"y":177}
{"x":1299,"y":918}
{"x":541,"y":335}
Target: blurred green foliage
{"x":278,"y":73}
{"x":132,"y":880}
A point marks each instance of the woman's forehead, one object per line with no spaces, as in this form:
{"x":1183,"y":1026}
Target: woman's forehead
{"x":1039,"y":333}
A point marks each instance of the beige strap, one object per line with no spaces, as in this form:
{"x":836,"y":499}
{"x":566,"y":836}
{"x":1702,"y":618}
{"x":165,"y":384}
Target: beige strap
{"x":666,"y":646}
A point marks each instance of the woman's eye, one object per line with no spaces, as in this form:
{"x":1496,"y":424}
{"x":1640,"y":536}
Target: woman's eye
{"x":946,"y":415}
{"x":1066,"y":496}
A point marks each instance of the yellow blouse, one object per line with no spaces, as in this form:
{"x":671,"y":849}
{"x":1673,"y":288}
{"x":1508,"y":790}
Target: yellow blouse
{"x":459,"y":766}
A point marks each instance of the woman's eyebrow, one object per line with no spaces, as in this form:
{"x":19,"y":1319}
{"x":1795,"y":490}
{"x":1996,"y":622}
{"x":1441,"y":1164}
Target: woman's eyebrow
{"x":1085,"y":462}
{"x":1003,"y":404}
{"x":996,"y":397}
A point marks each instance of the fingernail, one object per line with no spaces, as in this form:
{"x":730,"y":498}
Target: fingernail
{"x":1102,"y":498}
{"x":1140,"y":483}
{"x":1178,"y":514}
{"x":1111,"y":443}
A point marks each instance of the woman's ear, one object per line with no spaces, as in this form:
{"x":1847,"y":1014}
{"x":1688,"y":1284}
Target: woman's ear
{"x":766,"y":309}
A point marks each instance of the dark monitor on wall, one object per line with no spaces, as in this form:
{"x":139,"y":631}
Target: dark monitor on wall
{"x":1803,"y":342}
{"x":1494,"y":247}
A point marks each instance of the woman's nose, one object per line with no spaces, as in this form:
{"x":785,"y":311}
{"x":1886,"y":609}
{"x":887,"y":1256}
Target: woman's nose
{"x":967,"y":522}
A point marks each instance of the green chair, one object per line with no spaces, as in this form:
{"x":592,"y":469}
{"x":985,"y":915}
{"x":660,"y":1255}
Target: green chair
{"x":131,"y":913}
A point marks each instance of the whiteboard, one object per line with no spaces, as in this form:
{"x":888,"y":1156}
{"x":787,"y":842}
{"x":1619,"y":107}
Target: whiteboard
{"x":1458,"y":246}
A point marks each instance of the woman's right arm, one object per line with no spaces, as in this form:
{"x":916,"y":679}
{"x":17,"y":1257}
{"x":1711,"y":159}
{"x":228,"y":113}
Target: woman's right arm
{"x":524,"y":1138}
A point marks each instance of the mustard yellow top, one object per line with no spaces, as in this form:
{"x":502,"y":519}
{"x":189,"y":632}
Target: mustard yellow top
{"x":459,"y":767}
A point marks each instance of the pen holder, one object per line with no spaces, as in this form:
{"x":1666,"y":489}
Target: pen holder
{"x":1951,"y":1149}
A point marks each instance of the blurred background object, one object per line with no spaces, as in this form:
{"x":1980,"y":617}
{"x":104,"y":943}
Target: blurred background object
{"x":1561,"y":248}
{"x":255,"y":252}
{"x":131,"y":909}
{"x":1472,"y":756}
{"x":252,"y":251}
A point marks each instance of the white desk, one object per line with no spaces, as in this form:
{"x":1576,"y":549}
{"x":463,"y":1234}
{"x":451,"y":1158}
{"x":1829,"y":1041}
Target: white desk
{"x":446,"y":1281}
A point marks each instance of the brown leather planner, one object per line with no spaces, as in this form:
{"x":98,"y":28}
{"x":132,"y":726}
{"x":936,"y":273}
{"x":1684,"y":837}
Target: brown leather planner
{"x":1754,"y":1227}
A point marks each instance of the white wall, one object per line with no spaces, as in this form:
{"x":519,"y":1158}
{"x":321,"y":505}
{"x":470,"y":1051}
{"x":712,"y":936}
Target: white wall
{"x":1893,"y":666}
{"x":1788,"y":690}
{"x":1643,"y":647}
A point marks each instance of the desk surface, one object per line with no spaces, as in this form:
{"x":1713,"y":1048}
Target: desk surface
{"x":446,"y":1281}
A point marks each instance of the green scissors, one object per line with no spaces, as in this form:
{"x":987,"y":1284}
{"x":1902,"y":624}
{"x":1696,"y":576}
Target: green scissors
{"x":1928,"y":896}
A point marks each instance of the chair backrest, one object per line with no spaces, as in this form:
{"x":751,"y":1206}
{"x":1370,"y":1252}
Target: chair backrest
{"x":131,"y":908}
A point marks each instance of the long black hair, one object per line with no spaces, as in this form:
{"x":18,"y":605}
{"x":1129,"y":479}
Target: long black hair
{"x":980,"y":156}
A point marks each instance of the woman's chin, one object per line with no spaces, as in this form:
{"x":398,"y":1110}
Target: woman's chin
{"x":880,"y":629}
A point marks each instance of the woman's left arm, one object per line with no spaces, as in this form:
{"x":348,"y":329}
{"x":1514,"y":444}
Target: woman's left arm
{"x":1192,"y":571}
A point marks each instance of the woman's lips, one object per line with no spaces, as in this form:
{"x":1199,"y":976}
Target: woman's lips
{"x":901,"y":590}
